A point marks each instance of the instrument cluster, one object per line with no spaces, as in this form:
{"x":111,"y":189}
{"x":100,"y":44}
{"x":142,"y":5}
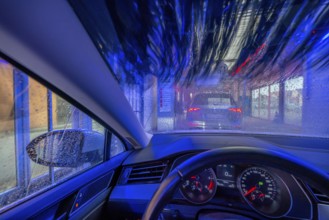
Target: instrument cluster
{"x":261,"y":188}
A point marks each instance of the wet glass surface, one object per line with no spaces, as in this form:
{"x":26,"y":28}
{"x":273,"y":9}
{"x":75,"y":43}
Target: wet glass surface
{"x":7,"y":133}
{"x":27,"y":110}
{"x":271,"y":57}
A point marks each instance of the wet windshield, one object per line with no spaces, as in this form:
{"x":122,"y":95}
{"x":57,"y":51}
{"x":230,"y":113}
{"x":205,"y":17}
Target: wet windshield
{"x":237,"y":65}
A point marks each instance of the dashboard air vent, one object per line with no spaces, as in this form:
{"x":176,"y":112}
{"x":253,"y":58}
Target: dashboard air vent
{"x":319,"y":195}
{"x":145,"y":173}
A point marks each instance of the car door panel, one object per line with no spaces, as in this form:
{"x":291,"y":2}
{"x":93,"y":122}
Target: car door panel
{"x":89,"y":189}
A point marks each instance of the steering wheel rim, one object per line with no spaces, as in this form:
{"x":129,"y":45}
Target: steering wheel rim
{"x":268,"y":157}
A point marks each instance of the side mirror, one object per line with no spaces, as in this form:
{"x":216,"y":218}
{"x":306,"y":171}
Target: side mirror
{"x":66,"y":148}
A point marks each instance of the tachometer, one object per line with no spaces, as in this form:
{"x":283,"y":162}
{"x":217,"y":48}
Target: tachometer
{"x":265,"y":192}
{"x":200,"y":188}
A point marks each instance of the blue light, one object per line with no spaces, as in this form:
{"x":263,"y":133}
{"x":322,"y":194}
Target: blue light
{"x":325,"y":37}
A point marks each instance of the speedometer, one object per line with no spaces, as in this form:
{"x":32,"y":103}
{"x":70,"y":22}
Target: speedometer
{"x":264,"y":192}
{"x":200,"y":188}
{"x":258,"y":186}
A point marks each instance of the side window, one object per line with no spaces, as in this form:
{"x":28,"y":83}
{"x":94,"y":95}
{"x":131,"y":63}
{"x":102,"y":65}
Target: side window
{"x":117,"y":146}
{"x":28,"y":111}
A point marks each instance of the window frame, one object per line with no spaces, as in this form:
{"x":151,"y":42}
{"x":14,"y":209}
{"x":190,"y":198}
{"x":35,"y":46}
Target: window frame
{"x":23,"y":170}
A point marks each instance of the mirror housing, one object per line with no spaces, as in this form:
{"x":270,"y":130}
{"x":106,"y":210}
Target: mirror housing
{"x":66,"y":148}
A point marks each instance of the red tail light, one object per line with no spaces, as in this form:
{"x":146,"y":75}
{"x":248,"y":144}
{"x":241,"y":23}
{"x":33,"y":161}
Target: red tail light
{"x":193,"y":109}
{"x":235,"y":110}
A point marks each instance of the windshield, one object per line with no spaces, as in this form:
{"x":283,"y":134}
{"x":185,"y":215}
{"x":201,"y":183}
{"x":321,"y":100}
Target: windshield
{"x":236,"y":65}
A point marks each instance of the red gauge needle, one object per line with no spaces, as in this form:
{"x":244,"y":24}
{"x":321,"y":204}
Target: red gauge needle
{"x":197,"y":185}
{"x":261,"y":195}
{"x":211,"y":185}
{"x":250,"y":191}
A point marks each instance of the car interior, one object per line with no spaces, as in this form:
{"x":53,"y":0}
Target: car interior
{"x":164,"y":109}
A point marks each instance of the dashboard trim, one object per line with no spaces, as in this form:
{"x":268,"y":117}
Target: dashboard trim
{"x":306,"y":196}
{"x":323,"y":211}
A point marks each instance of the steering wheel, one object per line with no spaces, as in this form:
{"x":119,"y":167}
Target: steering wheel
{"x":269,"y":157}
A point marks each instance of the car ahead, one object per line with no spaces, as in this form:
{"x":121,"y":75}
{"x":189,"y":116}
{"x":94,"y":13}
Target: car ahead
{"x":214,"y":111}
{"x":92,"y":97}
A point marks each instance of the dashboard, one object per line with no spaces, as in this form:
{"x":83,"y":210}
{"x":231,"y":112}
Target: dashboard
{"x":270,"y":192}
{"x":236,"y":190}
